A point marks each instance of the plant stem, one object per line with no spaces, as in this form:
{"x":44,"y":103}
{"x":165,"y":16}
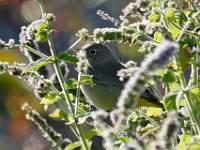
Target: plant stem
{"x":32,"y":50}
{"x":185,"y":27}
{"x":186,"y":31}
{"x":62,"y":82}
{"x":188,"y":99}
{"x":75,"y":43}
{"x":194,"y":72}
{"x":144,"y":35}
{"x":66,"y":94}
{"x":77,"y":93}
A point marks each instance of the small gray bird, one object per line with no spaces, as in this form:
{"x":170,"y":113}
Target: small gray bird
{"x":107,"y":86}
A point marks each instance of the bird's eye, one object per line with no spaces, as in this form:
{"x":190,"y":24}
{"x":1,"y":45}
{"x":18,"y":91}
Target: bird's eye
{"x":93,"y":52}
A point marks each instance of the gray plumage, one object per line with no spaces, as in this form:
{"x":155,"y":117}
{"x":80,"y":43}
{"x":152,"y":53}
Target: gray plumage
{"x":107,"y":89}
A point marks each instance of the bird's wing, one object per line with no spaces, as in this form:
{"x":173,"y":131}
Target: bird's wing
{"x":149,"y":96}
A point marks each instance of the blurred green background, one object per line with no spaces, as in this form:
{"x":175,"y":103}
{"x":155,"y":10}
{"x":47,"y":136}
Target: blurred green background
{"x":16,"y":133}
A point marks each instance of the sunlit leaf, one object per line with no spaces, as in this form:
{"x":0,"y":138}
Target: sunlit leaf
{"x":158,"y":36}
{"x":154,"y":17}
{"x":184,"y":56}
{"x":37,"y":64}
{"x":169,"y":77}
{"x":170,"y":100}
{"x":152,"y":111}
{"x":86,"y":79}
{"x":71,"y":83}
{"x":67,"y":57}
{"x":169,"y":14}
{"x":89,"y":134}
{"x":73,"y":145}
{"x":58,"y":113}
{"x":49,"y":99}
{"x":175,"y":31}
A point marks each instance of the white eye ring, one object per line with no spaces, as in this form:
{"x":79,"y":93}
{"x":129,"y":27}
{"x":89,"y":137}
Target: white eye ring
{"x":93,"y":52}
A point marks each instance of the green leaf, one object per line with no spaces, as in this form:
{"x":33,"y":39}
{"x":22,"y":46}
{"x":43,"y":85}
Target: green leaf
{"x":58,"y":113}
{"x":188,"y":142}
{"x":170,"y":100}
{"x":49,"y":99}
{"x":86,"y":79}
{"x":154,"y":17}
{"x":90,"y":134}
{"x":158,"y":36}
{"x":134,"y":37}
{"x":84,"y":107}
{"x":184,"y":57}
{"x":156,"y":112}
{"x":67,"y":57}
{"x":147,"y":128}
{"x":41,"y":36}
{"x":124,"y":139}
{"x":71,"y":83}
{"x":185,"y":138}
{"x":169,"y":77}
{"x":72,"y":146}
{"x":195,"y":91}
{"x":42,"y":27}
{"x":37,"y":64}
{"x":155,"y":3}
{"x":169,"y":14}
{"x":175,"y":31}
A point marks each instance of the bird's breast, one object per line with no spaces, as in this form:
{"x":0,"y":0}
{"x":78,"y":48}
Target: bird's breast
{"x":101,"y":96}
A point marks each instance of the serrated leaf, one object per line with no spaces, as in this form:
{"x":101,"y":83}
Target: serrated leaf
{"x":49,"y":99}
{"x":124,"y":139}
{"x":152,"y":111}
{"x":188,"y":142}
{"x":154,"y":3}
{"x":154,"y":17}
{"x":175,"y":31}
{"x":195,"y":91}
{"x":184,"y":57}
{"x":86,"y":79}
{"x":42,"y":27}
{"x":37,"y":64}
{"x":169,"y":77}
{"x":170,"y":100}
{"x":58,"y":113}
{"x":185,"y":138}
{"x":158,"y":36}
{"x":84,"y":107}
{"x":41,"y":36}
{"x":71,"y":83}
{"x":89,"y":134}
{"x":169,"y":14}
{"x":67,"y":57}
{"x":72,"y":146}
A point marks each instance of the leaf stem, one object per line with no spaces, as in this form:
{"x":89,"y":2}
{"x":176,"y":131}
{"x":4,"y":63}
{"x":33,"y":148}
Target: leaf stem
{"x":77,"y":93}
{"x":188,"y":101}
{"x":32,"y":50}
{"x":72,"y":46}
{"x":186,"y":26}
{"x":187,"y":95}
{"x":62,"y":82}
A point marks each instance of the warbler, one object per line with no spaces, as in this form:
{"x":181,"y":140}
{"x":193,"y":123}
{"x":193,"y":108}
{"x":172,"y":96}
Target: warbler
{"x":107,"y":87}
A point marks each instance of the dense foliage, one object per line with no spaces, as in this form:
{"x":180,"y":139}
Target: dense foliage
{"x":168,"y":33}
